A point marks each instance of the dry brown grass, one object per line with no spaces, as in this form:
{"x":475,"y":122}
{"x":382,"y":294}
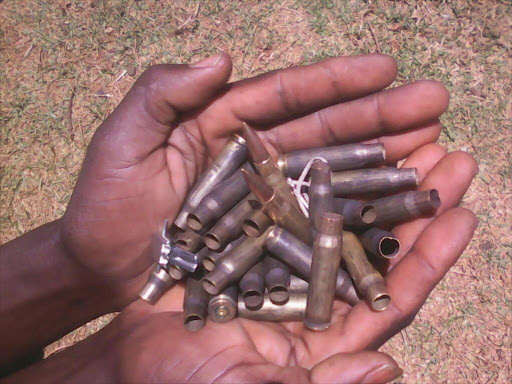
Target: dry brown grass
{"x":49,"y":51}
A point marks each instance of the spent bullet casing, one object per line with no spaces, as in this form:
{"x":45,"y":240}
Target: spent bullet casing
{"x":232,"y":156}
{"x":223,"y":307}
{"x":277,"y":280}
{"x":298,"y":285}
{"x":159,"y":282}
{"x":380,"y":243}
{"x":405,"y":206}
{"x":195,"y":303}
{"x":213,"y":257}
{"x":252,"y":286}
{"x":230,"y":225}
{"x":257,"y":222}
{"x":368,"y":280}
{"x":234,"y":264}
{"x":292,"y":310}
{"x":298,"y":256}
{"x":321,"y":194}
{"x":324,"y":267}
{"x":340,"y":157}
{"x":370,"y":181}
{"x":355,"y":213}
{"x":218,"y":202}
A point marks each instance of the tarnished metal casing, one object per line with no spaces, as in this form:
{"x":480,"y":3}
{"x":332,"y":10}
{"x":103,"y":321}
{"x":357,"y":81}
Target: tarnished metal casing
{"x":355,"y":213}
{"x":252,"y":286}
{"x":159,"y":282}
{"x":298,"y":256}
{"x":257,"y":223}
{"x":195,"y":303}
{"x":218,"y":202}
{"x":324,"y":268}
{"x":380,"y":243}
{"x":230,"y":225}
{"x":367,"y":279}
{"x":405,"y":206}
{"x":213,"y":257}
{"x":224,"y":306}
{"x":233,"y":155}
{"x":340,"y":158}
{"x":234,"y":264}
{"x":277,"y":279}
{"x":292,"y":310}
{"x":370,"y":181}
{"x":321,"y":194}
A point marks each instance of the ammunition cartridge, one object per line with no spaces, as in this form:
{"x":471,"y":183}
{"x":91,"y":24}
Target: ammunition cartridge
{"x":266,"y":166}
{"x":369,"y":181}
{"x":159,"y":282}
{"x":233,"y":155}
{"x":380,"y":243}
{"x":355,"y":213}
{"x":234,"y":264}
{"x":277,"y":279}
{"x":214,"y":257}
{"x":252,"y":286}
{"x":405,"y":206}
{"x":195,"y":303}
{"x":202,"y":254}
{"x":218,"y":202}
{"x":298,"y":255}
{"x":189,"y":240}
{"x":223,"y":307}
{"x":293,"y":310}
{"x":324,"y":268}
{"x":280,"y":211}
{"x":340,"y":158}
{"x":257,"y":222}
{"x":297,"y":285}
{"x":321,"y":196}
{"x":230,"y":225}
{"x":369,"y":281}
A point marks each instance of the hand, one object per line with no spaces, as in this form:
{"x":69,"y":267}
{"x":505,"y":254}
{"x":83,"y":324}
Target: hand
{"x":143,"y":159}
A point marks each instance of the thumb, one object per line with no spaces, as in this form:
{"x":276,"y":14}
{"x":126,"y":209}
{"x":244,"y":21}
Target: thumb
{"x":361,"y":367}
{"x":143,"y":120}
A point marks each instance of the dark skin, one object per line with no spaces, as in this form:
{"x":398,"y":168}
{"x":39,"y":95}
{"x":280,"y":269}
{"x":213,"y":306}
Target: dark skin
{"x":138,"y":169}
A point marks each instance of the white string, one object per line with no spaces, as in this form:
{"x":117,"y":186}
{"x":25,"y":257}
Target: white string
{"x":297,"y":185}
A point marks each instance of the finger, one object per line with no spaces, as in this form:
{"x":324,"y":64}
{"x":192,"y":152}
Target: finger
{"x":360,"y":367}
{"x":293,"y":92}
{"x":401,"y":145}
{"x":385,"y":112}
{"x":142,"y":122}
{"x":409,"y":283}
{"x":451,"y":176}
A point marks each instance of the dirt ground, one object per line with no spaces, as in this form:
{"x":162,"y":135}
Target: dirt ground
{"x":64,"y":65}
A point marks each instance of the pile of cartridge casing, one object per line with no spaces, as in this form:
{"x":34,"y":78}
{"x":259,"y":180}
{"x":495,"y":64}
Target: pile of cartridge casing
{"x":268,"y":254}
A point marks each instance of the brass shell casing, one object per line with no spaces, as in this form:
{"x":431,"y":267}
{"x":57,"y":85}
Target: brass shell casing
{"x":277,"y":280}
{"x":355,"y":213}
{"x":292,"y":310}
{"x":195,"y":304}
{"x":324,"y":268}
{"x":368,"y":280}
{"x":224,"y":306}
{"x":380,"y":243}
{"x":340,"y":158}
{"x":298,"y":256}
{"x":230,"y":225}
{"x":159,"y":282}
{"x":252,"y":286}
{"x":232,"y":156}
{"x":370,"y":181}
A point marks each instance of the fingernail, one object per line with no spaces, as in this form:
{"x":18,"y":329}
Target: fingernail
{"x":208,"y":62}
{"x":382,"y":374}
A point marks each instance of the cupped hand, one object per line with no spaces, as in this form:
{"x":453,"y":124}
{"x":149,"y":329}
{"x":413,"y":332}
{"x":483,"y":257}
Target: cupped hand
{"x":144,"y":158}
{"x":156,"y":346}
